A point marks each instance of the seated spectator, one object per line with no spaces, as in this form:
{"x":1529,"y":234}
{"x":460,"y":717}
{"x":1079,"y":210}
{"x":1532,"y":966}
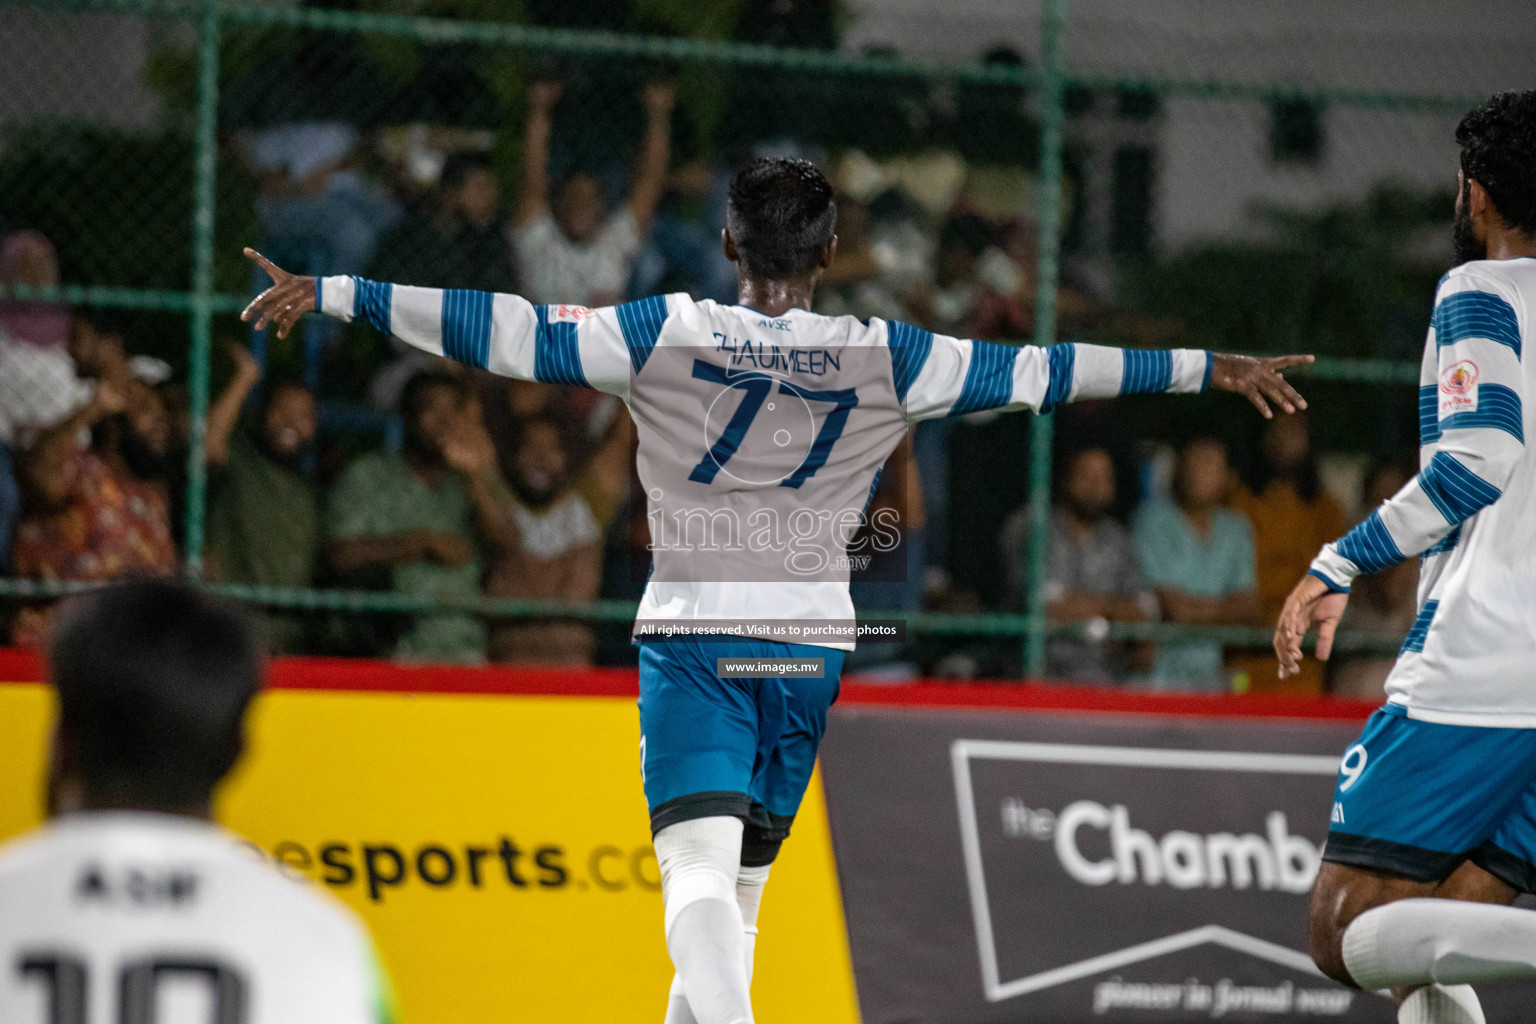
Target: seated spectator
{"x":406,"y":520}
{"x":264,"y":514}
{"x":1199,"y":557}
{"x":87,"y":515}
{"x":1292,"y":518}
{"x":1380,"y":602}
{"x":547,"y":540}
{"x":1092,"y":575}
{"x":856,"y":283}
{"x":455,"y":238}
{"x":573,"y":251}
{"x":38,"y":386}
{"x":948,"y":304}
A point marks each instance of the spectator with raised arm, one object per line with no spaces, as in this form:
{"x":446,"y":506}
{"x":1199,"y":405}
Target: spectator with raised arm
{"x":264,"y":514}
{"x":87,"y":516}
{"x":407,"y":522}
{"x":547,"y":542}
{"x":1198,"y":555}
{"x":570,"y":247}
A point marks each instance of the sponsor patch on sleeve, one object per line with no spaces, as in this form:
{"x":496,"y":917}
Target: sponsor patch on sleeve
{"x":570,"y":314}
{"x":1458,"y":388}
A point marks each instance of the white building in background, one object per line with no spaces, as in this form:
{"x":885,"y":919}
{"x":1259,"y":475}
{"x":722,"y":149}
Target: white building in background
{"x":85,"y":67}
{"x":1212,"y":160}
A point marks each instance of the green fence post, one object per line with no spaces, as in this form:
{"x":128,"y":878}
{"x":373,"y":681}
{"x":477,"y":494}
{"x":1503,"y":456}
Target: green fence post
{"x":204,"y":171}
{"x":1052,"y":121}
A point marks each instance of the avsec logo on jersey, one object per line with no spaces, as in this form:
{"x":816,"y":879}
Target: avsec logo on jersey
{"x":1458,"y":388}
{"x":570,"y":314}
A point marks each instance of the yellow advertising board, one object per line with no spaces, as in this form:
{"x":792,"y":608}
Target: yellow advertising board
{"x":496,"y":843}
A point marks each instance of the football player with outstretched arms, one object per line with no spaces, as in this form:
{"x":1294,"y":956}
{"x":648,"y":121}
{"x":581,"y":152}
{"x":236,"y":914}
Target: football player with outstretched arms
{"x":762,"y":428}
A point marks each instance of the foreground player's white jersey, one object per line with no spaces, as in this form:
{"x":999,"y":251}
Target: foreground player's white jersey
{"x":700,"y":380}
{"x":1470,"y":513}
{"x":129,"y":918}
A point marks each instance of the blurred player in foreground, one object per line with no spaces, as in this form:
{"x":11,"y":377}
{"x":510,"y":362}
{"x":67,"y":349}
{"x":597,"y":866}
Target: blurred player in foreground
{"x":1438,"y":797}
{"x":130,"y":905}
{"x":751,"y":418}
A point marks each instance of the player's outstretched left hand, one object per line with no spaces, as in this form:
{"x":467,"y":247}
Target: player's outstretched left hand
{"x":1259,"y":380}
{"x":290,"y":297}
{"x":1311,"y":602}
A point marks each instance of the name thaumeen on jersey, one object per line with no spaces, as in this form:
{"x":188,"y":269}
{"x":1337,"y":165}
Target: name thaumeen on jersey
{"x":759,"y":460}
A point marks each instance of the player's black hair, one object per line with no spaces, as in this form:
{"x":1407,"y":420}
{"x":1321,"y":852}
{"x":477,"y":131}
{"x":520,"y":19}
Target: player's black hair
{"x":413,"y":395}
{"x":458,"y":167}
{"x":781,"y":216}
{"x":153,"y":680}
{"x":1498,"y":151}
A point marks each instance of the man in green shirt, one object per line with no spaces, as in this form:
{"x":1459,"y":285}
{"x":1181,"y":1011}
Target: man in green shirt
{"x":411,"y":515}
{"x":264,"y":519}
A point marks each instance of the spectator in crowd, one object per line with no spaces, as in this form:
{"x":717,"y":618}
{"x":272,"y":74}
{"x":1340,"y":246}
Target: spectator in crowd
{"x":856,"y":283}
{"x":1198,"y":554}
{"x":572,"y":250}
{"x":948,"y":304}
{"x":406,"y":521}
{"x":546,"y":536}
{"x":87,"y":515}
{"x":304,"y":145}
{"x":683,"y":253}
{"x":264,"y":516}
{"x":1292,"y":518}
{"x":1092,"y":575}
{"x":454,"y":238}
{"x":38,"y":385}
{"x":1383,"y":602}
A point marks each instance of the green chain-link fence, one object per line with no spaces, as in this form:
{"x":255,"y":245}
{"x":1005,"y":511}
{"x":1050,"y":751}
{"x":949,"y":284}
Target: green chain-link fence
{"x":1151,"y":180}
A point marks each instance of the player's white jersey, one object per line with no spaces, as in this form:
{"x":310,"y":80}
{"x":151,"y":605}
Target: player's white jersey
{"x":751,"y":427}
{"x":1470,"y":513}
{"x":136,"y":918}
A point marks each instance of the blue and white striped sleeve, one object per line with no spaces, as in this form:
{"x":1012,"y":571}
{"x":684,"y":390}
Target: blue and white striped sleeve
{"x":507,"y":334}
{"x":942,"y":376}
{"x":1471,"y":432}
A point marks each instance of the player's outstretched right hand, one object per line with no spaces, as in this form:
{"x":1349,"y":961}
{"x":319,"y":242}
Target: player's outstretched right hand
{"x":1259,"y":380}
{"x":290,"y":297}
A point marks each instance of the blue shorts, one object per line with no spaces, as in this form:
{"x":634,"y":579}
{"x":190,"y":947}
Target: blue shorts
{"x":739,"y":747}
{"x":1416,"y":799}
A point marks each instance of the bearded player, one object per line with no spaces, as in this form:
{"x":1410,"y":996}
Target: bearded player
{"x":758,"y":419}
{"x":1433,"y":828}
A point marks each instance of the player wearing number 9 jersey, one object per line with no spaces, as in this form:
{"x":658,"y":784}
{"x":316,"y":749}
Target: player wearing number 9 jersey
{"x":1438,"y":798}
{"x":130,"y":907}
{"x":762,"y":428}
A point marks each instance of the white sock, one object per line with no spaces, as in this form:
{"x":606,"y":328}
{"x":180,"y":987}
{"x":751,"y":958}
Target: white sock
{"x":1450,"y":942}
{"x":1441,"y":1004}
{"x":749,"y":897}
{"x":706,"y":938}
{"x":678,"y":1010}
{"x":707,"y":947}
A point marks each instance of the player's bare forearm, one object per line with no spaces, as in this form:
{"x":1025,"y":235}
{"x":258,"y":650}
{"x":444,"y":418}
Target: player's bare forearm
{"x":1259,"y":379}
{"x":281,"y":305}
